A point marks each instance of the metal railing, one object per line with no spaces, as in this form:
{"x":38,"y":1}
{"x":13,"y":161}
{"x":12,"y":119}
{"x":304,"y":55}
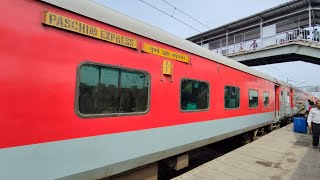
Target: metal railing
{"x":278,"y":39}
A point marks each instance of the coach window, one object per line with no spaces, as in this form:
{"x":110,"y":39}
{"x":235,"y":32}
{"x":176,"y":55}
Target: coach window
{"x":110,"y":90}
{"x":253,"y":98}
{"x":231,"y":97}
{"x":194,"y":95}
{"x":266,"y":99}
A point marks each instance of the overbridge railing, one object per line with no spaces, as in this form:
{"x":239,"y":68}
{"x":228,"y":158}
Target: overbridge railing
{"x":278,"y":39}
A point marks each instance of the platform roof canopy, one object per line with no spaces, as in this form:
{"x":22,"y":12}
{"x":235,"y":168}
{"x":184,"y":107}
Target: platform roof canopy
{"x":287,"y":16}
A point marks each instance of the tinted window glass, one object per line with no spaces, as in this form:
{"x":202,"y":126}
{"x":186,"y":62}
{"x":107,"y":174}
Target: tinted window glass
{"x":266,"y":99}
{"x":194,"y":95}
{"x":253,"y":98}
{"x":108,"y":90}
{"x":231,"y":97}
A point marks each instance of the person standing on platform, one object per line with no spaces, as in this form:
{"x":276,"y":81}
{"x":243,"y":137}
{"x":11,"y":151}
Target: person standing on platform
{"x":311,"y":105}
{"x":314,"y":124}
{"x":306,"y":106}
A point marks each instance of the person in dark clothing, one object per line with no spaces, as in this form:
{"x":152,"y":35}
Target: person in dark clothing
{"x":254,"y":45}
{"x":311,"y":103}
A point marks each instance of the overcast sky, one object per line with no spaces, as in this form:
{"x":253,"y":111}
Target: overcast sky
{"x":213,"y":13}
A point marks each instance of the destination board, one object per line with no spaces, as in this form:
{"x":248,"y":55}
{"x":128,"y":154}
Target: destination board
{"x":165,"y":53}
{"x":62,"y":22}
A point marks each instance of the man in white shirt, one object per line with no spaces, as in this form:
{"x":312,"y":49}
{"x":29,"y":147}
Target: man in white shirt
{"x":314,"y":124}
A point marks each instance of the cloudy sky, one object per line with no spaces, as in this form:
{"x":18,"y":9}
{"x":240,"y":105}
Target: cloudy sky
{"x":212,"y":14}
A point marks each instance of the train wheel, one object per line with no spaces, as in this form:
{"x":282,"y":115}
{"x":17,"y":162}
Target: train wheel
{"x":254,"y":134}
{"x":268,"y":128}
{"x":246,"y":138}
{"x":246,"y":141}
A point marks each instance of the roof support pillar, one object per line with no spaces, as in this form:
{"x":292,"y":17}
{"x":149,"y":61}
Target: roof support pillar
{"x":234,"y":42}
{"x":227,"y":44}
{"x":310,"y":31}
{"x":261,"y":31}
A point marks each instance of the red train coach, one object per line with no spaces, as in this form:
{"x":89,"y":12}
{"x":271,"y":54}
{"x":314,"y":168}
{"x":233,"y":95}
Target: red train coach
{"x":89,"y":93}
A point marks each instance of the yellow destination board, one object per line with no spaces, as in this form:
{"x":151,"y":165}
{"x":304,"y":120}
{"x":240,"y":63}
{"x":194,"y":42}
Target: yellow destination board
{"x":69,"y":24}
{"x":165,"y":53}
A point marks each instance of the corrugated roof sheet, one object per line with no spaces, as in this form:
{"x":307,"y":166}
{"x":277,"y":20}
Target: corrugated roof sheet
{"x":283,"y":9}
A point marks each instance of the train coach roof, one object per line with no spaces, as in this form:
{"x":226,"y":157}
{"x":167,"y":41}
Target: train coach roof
{"x":106,"y":15}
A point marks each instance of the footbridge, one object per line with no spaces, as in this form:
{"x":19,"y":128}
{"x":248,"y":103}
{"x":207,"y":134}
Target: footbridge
{"x":288,"y":32}
{"x":299,"y":50}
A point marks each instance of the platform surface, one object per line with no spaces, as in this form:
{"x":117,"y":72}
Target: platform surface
{"x":281,"y":154}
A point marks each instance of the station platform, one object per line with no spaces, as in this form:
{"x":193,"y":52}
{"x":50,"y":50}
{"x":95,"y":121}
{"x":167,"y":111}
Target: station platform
{"x":281,"y":154}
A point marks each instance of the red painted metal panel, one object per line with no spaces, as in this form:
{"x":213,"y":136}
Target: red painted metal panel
{"x":38,"y":67}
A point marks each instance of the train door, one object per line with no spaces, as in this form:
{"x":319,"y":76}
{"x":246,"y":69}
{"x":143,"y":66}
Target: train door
{"x":291,"y":101}
{"x":287,"y":102}
{"x":277,"y":101}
